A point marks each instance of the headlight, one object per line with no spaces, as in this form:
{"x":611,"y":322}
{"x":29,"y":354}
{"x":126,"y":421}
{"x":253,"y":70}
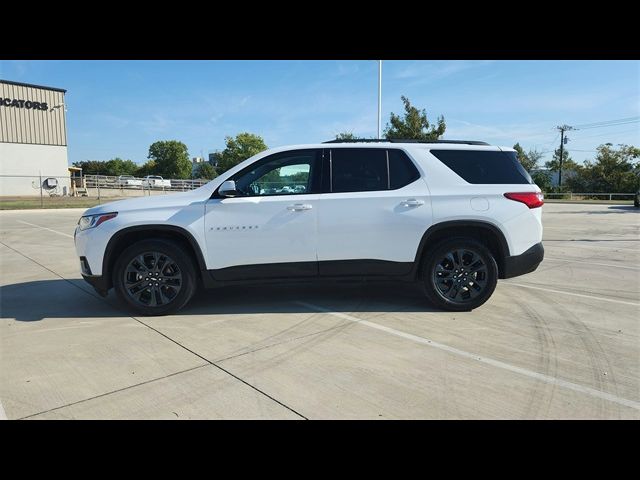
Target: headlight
{"x":92,"y":221}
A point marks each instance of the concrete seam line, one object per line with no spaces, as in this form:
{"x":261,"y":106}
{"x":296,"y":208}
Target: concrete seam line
{"x":160,"y":333}
{"x":572,"y":294}
{"x":114,"y":391}
{"x":219,"y":367}
{"x":489,"y":361}
{"x":49,"y":270}
{"x":45,"y":228}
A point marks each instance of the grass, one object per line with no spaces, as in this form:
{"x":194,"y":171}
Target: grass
{"x":26,"y":203}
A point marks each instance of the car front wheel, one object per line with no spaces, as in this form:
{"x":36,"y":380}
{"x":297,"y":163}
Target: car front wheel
{"x":155,"y":277}
{"x":459,"y":274}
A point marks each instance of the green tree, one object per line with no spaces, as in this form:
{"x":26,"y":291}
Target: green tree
{"x":414,"y":125}
{"x":92,"y":167}
{"x":567,"y":161}
{"x":345,"y":136}
{"x":299,"y":177}
{"x":149,"y":168}
{"x":118,"y":166}
{"x":172,"y":159}
{"x":543,"y":180}
{"x":530,"y":159}
{"x":613,"y":170}
{"x":205,"y":170}
{"x":238,"y":149}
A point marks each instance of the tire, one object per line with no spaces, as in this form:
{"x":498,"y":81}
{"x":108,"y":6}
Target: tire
{"x":443,"y":270}
{"x":170,"y":287}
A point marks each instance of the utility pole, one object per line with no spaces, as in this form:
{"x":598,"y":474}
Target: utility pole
{"x":379,"y":99}
{"x":562,"y":128}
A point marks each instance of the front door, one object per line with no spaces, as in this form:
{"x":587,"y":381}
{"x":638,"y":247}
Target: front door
{"x":269,"y":229}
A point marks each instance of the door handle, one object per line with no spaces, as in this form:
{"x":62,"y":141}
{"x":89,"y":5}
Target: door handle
{"x":412,"y":202}
{"x":297,"y":207}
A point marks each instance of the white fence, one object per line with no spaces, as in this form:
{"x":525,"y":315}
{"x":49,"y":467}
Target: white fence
{"x":587,"y":195}
{"x":133,"y":183}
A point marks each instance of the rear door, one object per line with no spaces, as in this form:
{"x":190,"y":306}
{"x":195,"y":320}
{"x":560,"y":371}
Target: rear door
{"x":372,"y":214}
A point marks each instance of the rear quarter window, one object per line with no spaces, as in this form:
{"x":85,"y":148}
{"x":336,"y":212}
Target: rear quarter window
{"x":477,"y":166}
{"x":402,"y":171}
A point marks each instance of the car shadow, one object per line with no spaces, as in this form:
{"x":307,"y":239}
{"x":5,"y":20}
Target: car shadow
{"x":35,"y":300}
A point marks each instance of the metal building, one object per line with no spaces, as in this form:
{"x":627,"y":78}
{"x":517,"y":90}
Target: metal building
{"x":33,"y":139}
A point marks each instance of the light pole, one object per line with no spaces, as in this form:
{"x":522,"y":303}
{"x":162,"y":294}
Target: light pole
{"x":379,"y":99}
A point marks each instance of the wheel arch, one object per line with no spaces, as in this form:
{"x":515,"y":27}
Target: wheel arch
{"x":130,"y":235}
{"x":485,"y":232}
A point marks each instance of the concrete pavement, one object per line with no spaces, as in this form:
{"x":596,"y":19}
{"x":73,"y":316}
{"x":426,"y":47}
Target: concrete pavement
{"x":562,"y":342}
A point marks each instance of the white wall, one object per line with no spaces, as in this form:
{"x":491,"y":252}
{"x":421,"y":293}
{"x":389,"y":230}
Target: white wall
{"x":21,"y":164}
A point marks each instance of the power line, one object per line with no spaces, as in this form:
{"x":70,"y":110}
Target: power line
{"x":607,"y":122}
{"x":553,"y":141}
{"x":580,"y":137}
{"x":607,"y":125}
{"x":546,"y":145}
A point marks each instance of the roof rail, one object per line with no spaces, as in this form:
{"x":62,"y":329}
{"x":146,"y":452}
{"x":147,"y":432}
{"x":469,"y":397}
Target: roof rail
{"x":402,"y":140}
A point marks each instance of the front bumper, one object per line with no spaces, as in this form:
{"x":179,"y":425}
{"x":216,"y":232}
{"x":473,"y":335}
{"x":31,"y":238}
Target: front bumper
{"x":91,"y":244}
{"x":526,"y":262}
{"x":98,"y":283}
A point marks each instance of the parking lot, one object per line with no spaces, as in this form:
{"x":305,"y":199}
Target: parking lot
{"x":562,"y":342}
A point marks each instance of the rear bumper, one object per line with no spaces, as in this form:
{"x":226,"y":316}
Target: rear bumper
{"x":526,"y":262}
{"x":98,"y":283}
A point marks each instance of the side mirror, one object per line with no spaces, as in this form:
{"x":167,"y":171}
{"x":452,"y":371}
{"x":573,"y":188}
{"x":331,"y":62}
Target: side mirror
{"x":228,"y":189}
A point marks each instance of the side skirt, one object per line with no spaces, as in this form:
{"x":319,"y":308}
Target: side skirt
{"x":355,"y":270}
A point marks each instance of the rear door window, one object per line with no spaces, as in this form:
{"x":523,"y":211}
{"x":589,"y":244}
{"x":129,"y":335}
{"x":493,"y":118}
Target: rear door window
{"x":489,"y":167}
{"x":359,"y":170}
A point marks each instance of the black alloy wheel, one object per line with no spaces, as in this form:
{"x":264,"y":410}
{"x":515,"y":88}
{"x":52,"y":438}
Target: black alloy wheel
{"x":152,"y":279}
{"x":155,"y":277}
{"x":460,"y":274}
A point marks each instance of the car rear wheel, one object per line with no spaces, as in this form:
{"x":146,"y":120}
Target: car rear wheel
{"x":155,"y":277}
{"x":459,"y":274}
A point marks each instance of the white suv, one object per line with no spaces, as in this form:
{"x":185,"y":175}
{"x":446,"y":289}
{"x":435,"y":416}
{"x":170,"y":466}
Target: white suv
{"x":452,"y":215}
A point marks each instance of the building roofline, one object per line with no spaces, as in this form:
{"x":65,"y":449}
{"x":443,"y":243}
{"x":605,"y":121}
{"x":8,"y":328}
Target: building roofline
{"x":31,"y":85}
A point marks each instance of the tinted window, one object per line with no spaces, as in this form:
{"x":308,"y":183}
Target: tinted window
{"x":484,"y":166}
{"x":402,"y":171}
{"x":359,"y":170}
{"x":280,"y":174}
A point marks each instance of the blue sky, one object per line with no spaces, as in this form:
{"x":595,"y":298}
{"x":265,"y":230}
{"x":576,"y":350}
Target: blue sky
{"x":118,"y":108}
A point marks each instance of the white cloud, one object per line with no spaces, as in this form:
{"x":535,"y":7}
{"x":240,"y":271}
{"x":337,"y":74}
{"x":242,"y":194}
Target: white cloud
{"x":346,"y":68}
{"x":532,"y":133}
{"x":115,"y":121}
{"x":157,"y":123}
{"x":424,"y":72}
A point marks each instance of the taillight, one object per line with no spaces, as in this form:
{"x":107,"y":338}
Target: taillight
{"x":530,"y":199}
